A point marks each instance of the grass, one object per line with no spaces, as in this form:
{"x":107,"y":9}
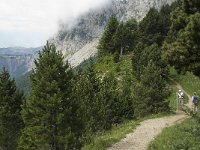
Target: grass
{"x":173,"y":96}
{"x":107,"y":65}
{"x":188,"y":81}
{"x":179,"y":137}
{"x":104,"y":140}
{"x":184,"y":136}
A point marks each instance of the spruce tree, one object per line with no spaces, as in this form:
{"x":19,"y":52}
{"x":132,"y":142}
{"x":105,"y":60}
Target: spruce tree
{"x":49,"y":114}
{"x":11,"y":122}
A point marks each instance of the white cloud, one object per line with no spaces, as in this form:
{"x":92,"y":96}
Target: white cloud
{"x":29,"y":17}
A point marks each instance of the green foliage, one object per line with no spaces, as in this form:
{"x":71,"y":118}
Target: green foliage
{"x":155,"y":25}
{"x":106,"y":42}
{"x":191,"y":6}
{"x":24,"y":84}
{"x":101,"y":100}
{"x":104,"y":140}
{"x":188,"y":81}
{"x":49,"y":114}
{"x":142,"y":55}
{"x":150,"y":94}
{"x":11,"y":122}
{"x":182,"y":136}
{"x":125,"y":36}
{"x":116,"y":57}
{"x":118,"y":37}
{"x":151,"y":90}
{"x":182,"y":46}
{"x":149,"y":28}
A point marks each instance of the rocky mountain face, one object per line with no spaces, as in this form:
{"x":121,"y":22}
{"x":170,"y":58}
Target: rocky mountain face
{"x":79,"y":42}
{"x":18,"y":60}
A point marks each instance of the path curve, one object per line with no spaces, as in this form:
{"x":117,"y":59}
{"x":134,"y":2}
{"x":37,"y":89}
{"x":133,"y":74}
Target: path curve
{"x":141,"y":137}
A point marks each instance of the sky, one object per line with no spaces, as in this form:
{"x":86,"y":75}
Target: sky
{"x":30,"y":23}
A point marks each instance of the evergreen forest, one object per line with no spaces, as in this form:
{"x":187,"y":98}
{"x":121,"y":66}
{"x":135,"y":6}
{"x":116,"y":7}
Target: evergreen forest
{"x":64,"y":107}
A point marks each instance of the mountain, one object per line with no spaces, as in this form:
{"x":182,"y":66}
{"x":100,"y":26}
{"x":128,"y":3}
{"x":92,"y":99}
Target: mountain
{"x":18,"y":60}
{"x":79,"y":41}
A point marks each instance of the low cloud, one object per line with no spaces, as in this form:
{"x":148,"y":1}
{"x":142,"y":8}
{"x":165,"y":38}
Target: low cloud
{"x":38,"y":17}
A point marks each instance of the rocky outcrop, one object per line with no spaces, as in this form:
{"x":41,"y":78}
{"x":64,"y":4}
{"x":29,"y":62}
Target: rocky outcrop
{"x":78,"y":41}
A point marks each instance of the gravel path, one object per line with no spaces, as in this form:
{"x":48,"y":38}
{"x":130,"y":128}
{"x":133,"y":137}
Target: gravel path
{"x":140,"y":138}
{"x":146,"y":132}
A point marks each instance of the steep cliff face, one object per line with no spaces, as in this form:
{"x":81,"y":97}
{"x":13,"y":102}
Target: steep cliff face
{"x":18,"y":61}
{"x":80,"y":41}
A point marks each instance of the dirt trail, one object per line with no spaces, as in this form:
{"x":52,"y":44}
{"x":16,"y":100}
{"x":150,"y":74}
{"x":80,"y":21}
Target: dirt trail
{"x":140,"y":138}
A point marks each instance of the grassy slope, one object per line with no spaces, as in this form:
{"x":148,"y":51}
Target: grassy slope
{"x":179,"y":137}
{"x":104,"y":66}
{"x":107,"y":65}
{"x":182,"y":136}
{"x":188,"y":81}
{"x":104,"y":140}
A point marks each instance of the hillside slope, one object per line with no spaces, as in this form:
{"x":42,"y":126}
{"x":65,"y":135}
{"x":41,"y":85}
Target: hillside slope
{"x":83,"y":37}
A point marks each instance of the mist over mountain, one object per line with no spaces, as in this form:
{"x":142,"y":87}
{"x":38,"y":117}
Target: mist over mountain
{"x":78,"y":38}
{"x":79,"y":41}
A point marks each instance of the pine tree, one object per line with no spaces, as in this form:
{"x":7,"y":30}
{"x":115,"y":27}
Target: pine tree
{"x":150,"y":28}
{"x":191,"y":6}
{"x":130,"y":34}
{"x":150,"y":91}
{"x":119,"y":39}
{"x":49,"y":114}
{"x":106,"y":42}
{"x":11,"y":122}
{"x":182,"y":48}
{"x":137,"y":61}
{"x":125,"y":36}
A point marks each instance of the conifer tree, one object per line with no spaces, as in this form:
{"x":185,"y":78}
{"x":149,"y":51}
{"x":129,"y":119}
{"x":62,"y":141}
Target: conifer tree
{"x":119,"y":39}
{"x":106,"y":41}
{"x":149,"y":28}
{"x":137,"y":60}
{"x":125,"y":36}
{"x":49,"y":114}
{"x":182,"y":48}
{"x":150,"y":91}
{"x":11,"y":122}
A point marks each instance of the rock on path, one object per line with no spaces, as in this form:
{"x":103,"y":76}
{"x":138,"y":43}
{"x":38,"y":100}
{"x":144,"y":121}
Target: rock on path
{"x":146,"y":132}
